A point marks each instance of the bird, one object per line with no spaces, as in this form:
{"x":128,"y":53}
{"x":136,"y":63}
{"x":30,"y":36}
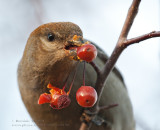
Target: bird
{"x":45,"y":61}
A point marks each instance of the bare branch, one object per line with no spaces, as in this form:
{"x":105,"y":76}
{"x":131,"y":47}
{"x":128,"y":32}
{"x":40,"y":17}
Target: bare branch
{"x":103,"y":74}
{"x":122,"y":43}
{"x":133,"y":10}
{"x":142,"y":38}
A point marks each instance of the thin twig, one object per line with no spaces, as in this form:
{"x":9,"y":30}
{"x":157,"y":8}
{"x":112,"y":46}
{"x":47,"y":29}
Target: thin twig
{"x":132,"y":12}
{"x":96,"y":68}
{"x":84,"y":70}
{"x":74,"y":75}
{"x":142,"y":38}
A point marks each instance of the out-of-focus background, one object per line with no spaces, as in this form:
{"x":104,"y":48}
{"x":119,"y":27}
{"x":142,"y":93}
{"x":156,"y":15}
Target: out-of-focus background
{"x":101,"y":22}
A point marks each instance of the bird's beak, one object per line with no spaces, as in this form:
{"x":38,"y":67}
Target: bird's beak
{"x":72,"y":45}
{"x":76,"y":41}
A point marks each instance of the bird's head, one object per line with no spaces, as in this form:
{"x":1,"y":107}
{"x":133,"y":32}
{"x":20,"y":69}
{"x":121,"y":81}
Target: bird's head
{"x":47,"y":48}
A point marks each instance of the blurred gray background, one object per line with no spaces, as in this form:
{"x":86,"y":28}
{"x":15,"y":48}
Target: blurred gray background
{"x":101,"y":22}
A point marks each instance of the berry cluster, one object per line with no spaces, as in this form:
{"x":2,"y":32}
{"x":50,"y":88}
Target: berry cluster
{"x":57,"y":98}
{"x":86,"y":96}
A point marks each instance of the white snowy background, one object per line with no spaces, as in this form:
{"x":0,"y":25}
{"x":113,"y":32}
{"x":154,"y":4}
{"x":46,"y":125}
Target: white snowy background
{"x":101,"y":22}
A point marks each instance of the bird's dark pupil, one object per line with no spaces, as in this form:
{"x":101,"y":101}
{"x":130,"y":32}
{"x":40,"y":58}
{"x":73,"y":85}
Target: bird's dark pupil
{"x":50,"y":37}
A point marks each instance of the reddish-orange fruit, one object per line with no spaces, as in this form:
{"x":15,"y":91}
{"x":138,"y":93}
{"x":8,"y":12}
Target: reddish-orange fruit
{"x":87,"y":52}
{"x":44,"y":98}
{"x":86,"y":96}
{"x":57,"y":98}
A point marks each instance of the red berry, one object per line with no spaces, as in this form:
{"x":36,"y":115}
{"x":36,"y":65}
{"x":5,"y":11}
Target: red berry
{"x":57,"y":98}
{"x":87,"y":52}
{"x":44,"y":98}
{"x":86,"y":96}
{"x":54,"y":101}
{"x":60,"y":101}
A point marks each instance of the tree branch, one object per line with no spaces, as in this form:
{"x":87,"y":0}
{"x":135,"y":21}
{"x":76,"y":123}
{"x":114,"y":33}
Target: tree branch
{"x":142,"y":38}
{"x":96,"y":68}
{"x":132,"y":12}
{"x":122,"y":43}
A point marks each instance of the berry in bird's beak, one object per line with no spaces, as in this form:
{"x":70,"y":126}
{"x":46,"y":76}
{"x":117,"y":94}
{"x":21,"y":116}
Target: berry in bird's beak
{"x":77,"y":49}
{"x":72,"y":45}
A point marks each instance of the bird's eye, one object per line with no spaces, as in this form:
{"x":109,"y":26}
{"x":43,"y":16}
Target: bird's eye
{"x":51,"y":37}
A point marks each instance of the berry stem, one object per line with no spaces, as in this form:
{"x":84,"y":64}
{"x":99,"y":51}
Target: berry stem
{"x":84,"y":69}
{"x":72,"y":80}
{"x":66,"y":82}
